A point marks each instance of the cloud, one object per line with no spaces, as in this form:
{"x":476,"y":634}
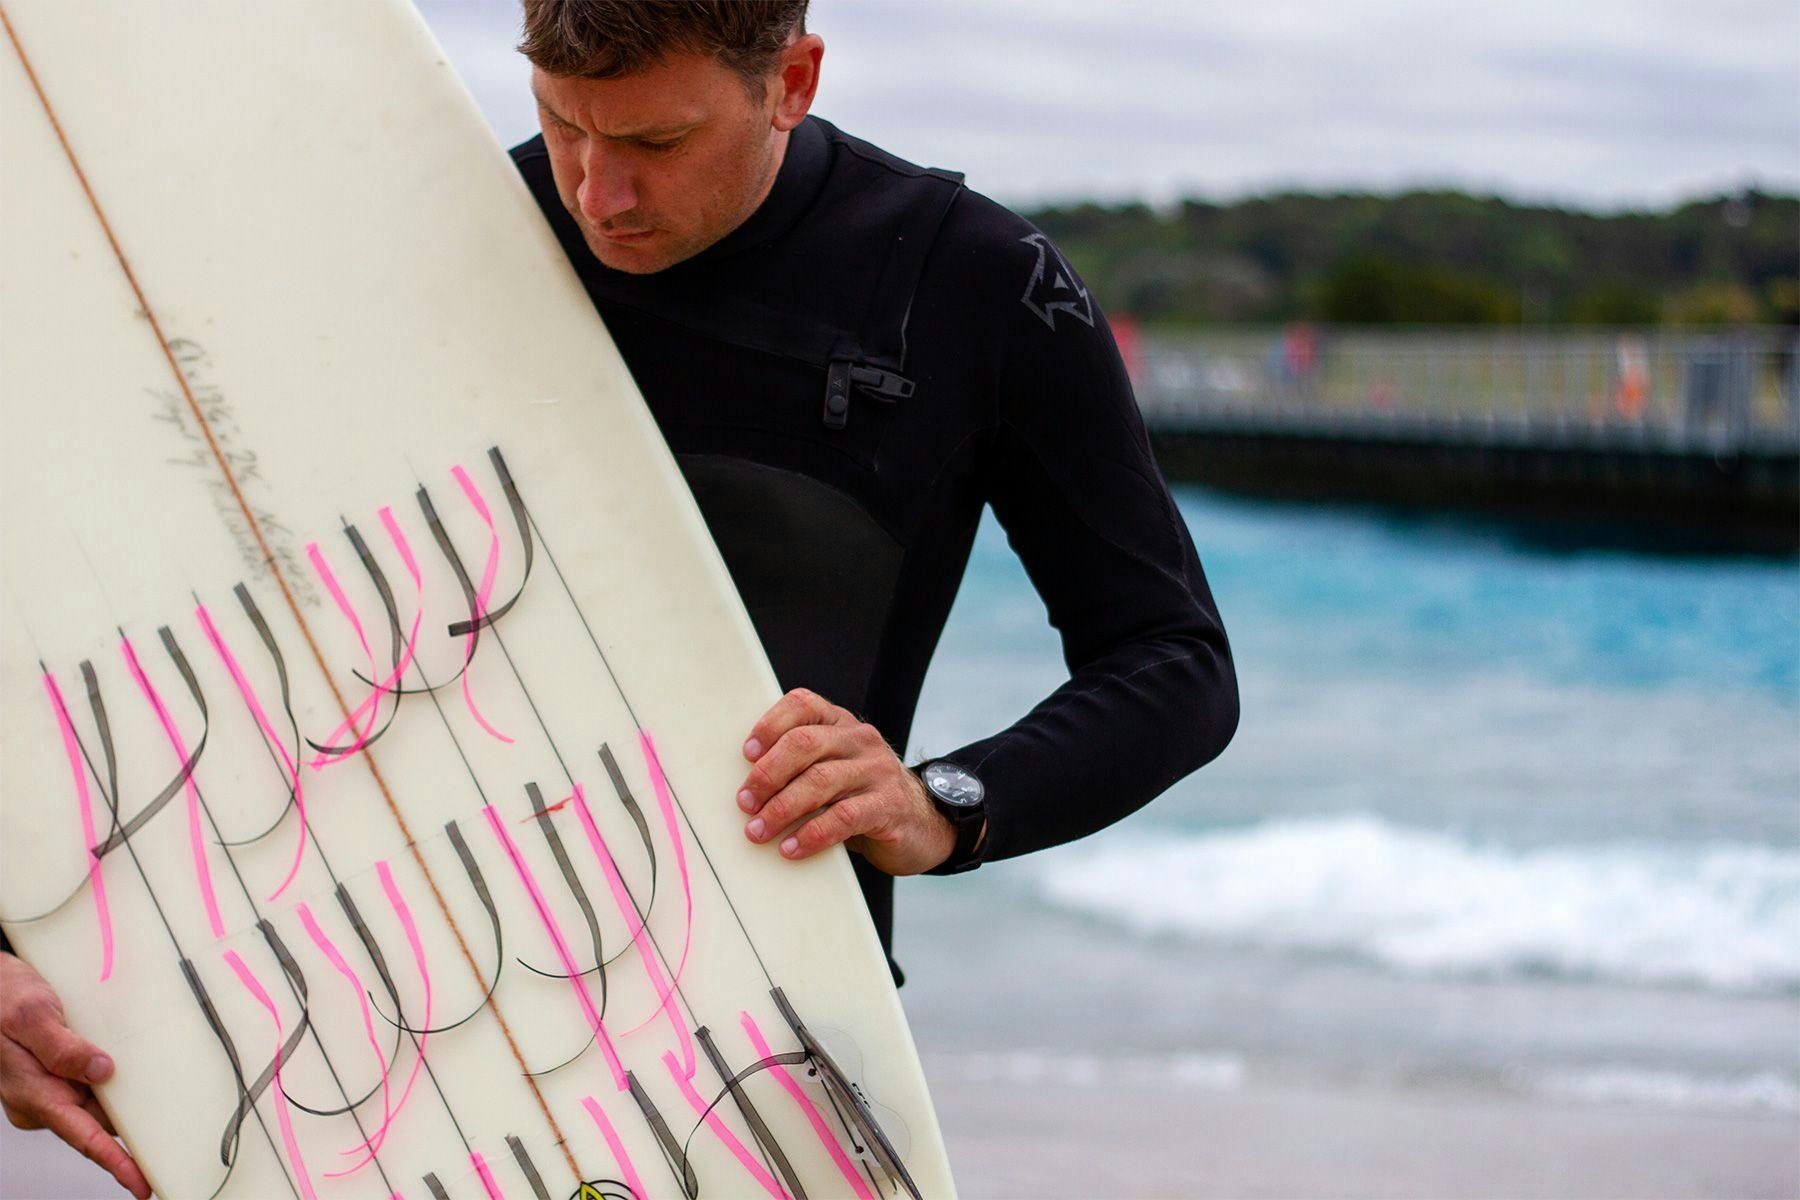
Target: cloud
{"x":1601,"y":103}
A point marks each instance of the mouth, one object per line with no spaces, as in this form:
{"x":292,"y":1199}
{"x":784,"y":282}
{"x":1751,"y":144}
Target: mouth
{"x":628,"y":238}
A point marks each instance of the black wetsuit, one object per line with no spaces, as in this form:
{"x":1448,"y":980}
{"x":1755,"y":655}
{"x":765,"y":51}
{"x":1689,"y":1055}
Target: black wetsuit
{"x":846,"y":379}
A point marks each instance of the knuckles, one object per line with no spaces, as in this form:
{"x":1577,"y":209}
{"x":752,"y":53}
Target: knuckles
{"x":831,"y":826}
{"x":821,"y":776}
{"x":27,"y":1010}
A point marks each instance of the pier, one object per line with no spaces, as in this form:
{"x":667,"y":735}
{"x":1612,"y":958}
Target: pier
{"x":1676,"y":436}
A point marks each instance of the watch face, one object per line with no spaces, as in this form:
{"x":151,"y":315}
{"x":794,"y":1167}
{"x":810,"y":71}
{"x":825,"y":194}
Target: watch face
{"x":953,"y":785}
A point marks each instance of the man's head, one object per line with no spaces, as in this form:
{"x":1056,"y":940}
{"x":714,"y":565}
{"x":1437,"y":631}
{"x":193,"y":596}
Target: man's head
{"x":666,"y":122}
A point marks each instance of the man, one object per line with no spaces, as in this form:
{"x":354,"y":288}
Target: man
{"x":849,"y":355}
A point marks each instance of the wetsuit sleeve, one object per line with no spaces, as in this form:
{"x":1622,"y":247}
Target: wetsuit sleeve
{"x":1152,"y":693}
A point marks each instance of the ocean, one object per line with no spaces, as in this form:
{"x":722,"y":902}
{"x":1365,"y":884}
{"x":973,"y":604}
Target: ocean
{"x":1513,"y":816}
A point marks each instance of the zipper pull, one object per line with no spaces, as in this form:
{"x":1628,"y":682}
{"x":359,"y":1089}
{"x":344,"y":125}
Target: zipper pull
{"x":885,"y":386}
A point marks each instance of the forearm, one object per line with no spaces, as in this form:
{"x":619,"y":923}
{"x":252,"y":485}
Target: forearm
{"x":1119,"y":733}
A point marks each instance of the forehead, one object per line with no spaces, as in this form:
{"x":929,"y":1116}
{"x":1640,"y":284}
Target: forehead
{"x":682,"y":91}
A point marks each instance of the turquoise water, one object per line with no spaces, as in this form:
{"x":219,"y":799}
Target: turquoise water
{"x":1460,"y":753}
{"x":1520,"y":817}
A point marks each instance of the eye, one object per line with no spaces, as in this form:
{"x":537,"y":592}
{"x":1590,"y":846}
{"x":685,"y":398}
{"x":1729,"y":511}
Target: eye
{"x":654,"y":147}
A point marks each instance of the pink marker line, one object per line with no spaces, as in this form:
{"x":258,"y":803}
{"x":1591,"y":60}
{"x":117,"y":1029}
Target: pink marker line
{"x":617,"y":1146}
{"x":202,"y":873}
{"x":717,"y":1124}
{"x":487,"y":1176}
{"x":483,"y":593}
{"x":665,"y":802}
{"x":398,"y":903}
{"x":330,"y":951}
{"x":576,"y":979}
{"x":817,"y":1120}
{"x":255,"y":988}
{"x":665,"y":990}
{"x":96,"y":880}
{"x":372,"y":702}
{"x":262,"y":719}
{"x":329,"y":579}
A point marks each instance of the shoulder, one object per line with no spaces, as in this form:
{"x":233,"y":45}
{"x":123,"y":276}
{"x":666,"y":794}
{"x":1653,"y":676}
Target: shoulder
{"x":869,"y":155}
{"x":986,"y":252}
{"x":1018,"y":258}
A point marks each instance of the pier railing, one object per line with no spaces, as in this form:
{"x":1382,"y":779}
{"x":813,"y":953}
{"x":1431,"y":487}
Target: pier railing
{"x":1717,"y":391}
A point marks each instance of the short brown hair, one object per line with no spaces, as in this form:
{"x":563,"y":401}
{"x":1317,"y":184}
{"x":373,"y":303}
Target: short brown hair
{"x":605,"y":39}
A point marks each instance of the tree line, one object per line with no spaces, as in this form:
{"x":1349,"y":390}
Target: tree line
{"x":1437,"y":257}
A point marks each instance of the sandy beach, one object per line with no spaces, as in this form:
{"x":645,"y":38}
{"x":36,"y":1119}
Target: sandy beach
{"x":1011,"y":1140}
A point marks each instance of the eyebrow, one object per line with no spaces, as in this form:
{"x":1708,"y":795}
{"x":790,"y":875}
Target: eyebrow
{"x":647,"y":132}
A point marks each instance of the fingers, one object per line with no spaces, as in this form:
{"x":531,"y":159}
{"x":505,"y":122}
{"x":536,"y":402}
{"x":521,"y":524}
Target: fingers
{"x":33,"y":1019}
{"x":799,"y":707}
{"x":812,"y":787}
{"x":789,"y":758}
{"x":845,"y":819}
{"x":29,"y":1091}
{"x":91,"y":1103}
{"x":77,"y":1126}
{"x":44,"y":1072}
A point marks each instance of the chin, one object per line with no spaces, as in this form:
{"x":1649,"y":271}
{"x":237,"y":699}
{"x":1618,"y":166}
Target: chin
{"x":634,"y":260}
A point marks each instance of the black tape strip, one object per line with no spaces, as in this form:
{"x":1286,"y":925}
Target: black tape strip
{"x":227,"y":1147}
{"x":561,"y":854}
{"x":479,"y":883}
{"x":396,"y":641}
{"x":764,"y":1138}
{"x":527,"y":1167}
{"x":839,"y":1088}
{"x":247,"y":1097}
{"x":370,"y":946}
{"x":462,"y":577}
{"x":117,"y":836}
{"x":435,"y":1188}
{"x":793,"y":1058}
{"x":470,"y":596}
{"x":287,"y":702}
{"x":150,"y":810}
{"x":98,"y":708}
{"x":636,"y":812}
{"x":520,"y":519}
{"x":674,"y":1154}
{"x":297,"y":978}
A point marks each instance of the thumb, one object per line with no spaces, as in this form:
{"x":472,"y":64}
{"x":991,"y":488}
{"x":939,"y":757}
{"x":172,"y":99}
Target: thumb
{"x":62,"y":1051}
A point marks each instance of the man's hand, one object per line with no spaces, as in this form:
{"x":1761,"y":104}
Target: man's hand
{"x":817,"y":763}
{"x":45,"y":1071}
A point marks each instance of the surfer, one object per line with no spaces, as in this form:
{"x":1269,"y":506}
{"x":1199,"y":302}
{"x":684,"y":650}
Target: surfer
{"x":850,"y":355}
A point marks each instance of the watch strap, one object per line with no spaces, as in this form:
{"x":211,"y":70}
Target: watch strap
{"x":970,"y":850}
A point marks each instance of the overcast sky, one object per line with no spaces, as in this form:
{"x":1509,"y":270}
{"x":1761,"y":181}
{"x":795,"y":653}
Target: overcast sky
{"x":1600,"y":103}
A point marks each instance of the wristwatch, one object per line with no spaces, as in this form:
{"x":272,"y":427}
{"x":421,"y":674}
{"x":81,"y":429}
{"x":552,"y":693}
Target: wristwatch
{"x":959,"y":795}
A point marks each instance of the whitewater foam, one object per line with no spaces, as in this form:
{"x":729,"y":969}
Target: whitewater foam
{"x":1086,"y":1069}
{"x":1633,"y":1087}
{"x":1725,"y":917}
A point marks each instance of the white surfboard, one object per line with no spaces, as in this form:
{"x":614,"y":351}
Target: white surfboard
{"x":370,"y":689}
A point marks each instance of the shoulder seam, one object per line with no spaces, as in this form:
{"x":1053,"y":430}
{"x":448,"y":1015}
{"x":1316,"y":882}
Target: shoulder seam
{"x":891,"y":163}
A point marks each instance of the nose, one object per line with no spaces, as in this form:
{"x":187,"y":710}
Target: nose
{"x":607,"y":189}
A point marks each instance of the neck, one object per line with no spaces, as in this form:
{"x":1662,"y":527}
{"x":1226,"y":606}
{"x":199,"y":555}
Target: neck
{"x":777,"y":155}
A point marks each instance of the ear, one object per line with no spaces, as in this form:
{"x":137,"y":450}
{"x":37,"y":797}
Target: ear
{"x":797,"y":80}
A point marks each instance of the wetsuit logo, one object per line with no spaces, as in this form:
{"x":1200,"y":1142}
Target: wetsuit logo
{"x":1053,"y":287}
